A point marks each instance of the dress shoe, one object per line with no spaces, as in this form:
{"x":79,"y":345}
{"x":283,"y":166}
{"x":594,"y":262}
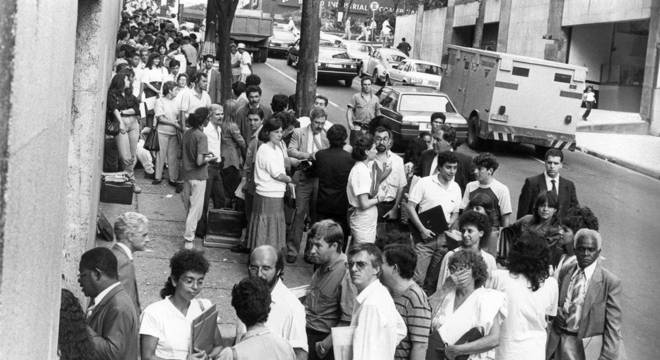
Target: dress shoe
{"x":157,"y":182}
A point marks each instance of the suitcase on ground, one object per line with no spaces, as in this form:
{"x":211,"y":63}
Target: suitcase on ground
{"x":224,"y":228}
{"x":117,"y":193}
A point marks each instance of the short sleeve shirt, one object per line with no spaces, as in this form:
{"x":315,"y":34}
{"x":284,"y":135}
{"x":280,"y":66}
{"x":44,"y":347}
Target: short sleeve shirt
{"x":428,"y":193}
{"x":497,"y":192}
{"x":191,"y":101}
{"x":396,"y":180}
{"x":364,"y":108}
{"x":194,"y":143}
{"x":359,"y":182}
{"x":168,"y":108}
{"x":414,"y":308}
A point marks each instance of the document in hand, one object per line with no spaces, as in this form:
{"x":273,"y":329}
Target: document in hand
{"x":432,"y":219}
{"x":342,"y":342}
{"x":203,"y":330}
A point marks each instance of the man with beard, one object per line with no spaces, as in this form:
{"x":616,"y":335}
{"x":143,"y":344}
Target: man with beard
{"x":253,"y":94}
{"x":391,"y":189}
{"x":287,"y":315}
{"x":329,"y":302}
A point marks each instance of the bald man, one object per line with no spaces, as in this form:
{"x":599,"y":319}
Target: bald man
{"x":287,"y":313}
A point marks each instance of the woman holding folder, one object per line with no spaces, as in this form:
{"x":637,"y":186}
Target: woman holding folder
{"x":165,"y":326}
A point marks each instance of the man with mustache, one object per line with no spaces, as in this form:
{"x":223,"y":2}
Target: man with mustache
{"x":391,"y":189}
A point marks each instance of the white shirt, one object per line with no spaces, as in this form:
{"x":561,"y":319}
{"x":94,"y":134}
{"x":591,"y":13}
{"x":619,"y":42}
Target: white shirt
{"x":287,"y":316}
{"x":548,"y":182}
{"x":489,"y":259}
{"x":126,"y":249}
{"x":428,"y":193}
{"x":154,"y":74}
{"x":500,"y":190}
{"x":359,"y":182}
{"x":378,"y":325}
{"x":102,"y":294}
{"x":164,"y":321}
{"x":213,"y":137}
{"x":269,"y":162}
{"x":191,"y":101}
{"x":397,"y":178}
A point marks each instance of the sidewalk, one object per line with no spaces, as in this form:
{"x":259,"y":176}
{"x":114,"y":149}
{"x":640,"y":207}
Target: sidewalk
{"x":620,"y":138}
{"x":164,"y":209}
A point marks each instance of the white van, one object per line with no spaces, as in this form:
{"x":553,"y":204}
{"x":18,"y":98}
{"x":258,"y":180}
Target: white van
{"x":514,"y":98}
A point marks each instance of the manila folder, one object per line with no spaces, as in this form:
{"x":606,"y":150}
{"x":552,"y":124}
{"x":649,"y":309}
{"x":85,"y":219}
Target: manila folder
{"x":204,"y":329}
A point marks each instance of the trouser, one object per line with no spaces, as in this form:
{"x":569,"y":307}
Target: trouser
{"x":313,"y":337}
{"x":213,"y":190}
{"x":304,"y":194}
{"x":193,"y":201}
{"x":589,"y":105}
{"x":570,"y":348}
{"x":144,"y":157}
{"x":127,"y":140}
{"x":169,"y":152}
{"x":111,"y":160}
{"x":429,"y":253}
{"x":231,"y":178}
{"x":385,"y":226}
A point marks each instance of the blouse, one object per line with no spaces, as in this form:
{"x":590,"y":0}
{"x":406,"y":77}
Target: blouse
{"x":269,"y":163}
{"x":119,"y":101}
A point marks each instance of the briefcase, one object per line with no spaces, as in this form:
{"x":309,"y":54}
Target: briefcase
{"x":117,"y":193}
{"x":432,"y":219}
{"x":224,"y":228}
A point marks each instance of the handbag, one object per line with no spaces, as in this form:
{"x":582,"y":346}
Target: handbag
{"x":111,"y":125}
{"x":151,"y":141}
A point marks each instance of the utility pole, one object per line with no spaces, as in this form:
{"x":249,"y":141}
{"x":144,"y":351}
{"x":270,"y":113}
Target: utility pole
{"x":307,"y":57}
{"x":479,"y":25}
{"x":419,"y":25}
{"x":221,"y":12}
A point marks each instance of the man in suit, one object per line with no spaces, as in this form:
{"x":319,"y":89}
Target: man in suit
{"x":131,"y":234}
{"x":589,"y":306}
{"x":112,"y":321}
{"x":214,"y":79}
{"x":444,"y":139}
{"x":305,"y":143}
{"x":548,"y":181}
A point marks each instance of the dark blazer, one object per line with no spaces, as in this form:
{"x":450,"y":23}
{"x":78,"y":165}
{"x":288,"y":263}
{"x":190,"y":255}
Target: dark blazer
{"x":464,"y":173}
{"x":126,"y":271}
{"x":536,"y":184}
{"x":214,"y":90}
{"x":242,"y":121}
{"x":601,"y":312}
{"x":332,"y":167}
{"x":114,"y":324}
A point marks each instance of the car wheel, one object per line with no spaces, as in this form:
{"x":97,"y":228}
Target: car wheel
{"x":473,"y":140}
{"x":294,"y":63}
{"x":374,"y":78}
{"x":288,"y":60}
{"x":348,"y":82}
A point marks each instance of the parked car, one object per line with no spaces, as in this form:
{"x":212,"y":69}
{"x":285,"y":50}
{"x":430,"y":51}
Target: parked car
{"x":381,"y":62}
{"x":359,"y":51}
{"x":292,"y":54}
{"x":407,"y":112}
{"x":334,"y":62}
{"x":417,"y":73}
{"x":280,"y":42}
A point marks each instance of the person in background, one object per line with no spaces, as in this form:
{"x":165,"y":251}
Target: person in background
{"x":214,"y":79}
{"x":191,"y":56}
{"x":251,"y":299}
{"x":246,"y":62}
{"x":112,"y":321}
{"x":329,"y":302}
{"x":391,"y":189}
{"x":169,"y":131}
{"x":165,"y":325}
{"x":172,"y":72}
{"x":176,"y":54}
{"x":347,"y":28}
{"x":131,"y":235}
{"x":589,"y":99}
{"x":486,"y":164}
{"x":287,"y":315}
{"x":194,"y":98}
{"x":362,"y":108}
{"x":378,"y":326}
{"x":235,"y":61}
{"x":399,"y":262}
{"x":73,"y":340}
{"x":253,"y":94}
{"x":233,"y":148}
{"x":153,"y":76}
{"x":404,"y":47}
{"x":214,"y":187}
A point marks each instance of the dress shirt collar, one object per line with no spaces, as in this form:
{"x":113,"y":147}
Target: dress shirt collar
{"x":126,"y":249}
{"x":371,"y":288}
{"x":548,"y":179}
{"x":278,"y":291}
{"x":102,"y":294}
{"x":588,"y":271}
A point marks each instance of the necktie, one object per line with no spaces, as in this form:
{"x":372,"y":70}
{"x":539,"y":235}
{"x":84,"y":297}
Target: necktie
{"x":554,"y":186}
{"x":577,"y":298}
{"x":90,"y":308}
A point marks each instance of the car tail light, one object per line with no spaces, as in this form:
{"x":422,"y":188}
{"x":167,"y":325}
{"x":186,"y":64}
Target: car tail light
{"x":501,"y":110}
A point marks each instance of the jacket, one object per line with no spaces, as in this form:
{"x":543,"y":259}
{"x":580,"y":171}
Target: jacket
{"x":126,"y":271}
{"x":536,"y":184}
{"x":114,"y":324}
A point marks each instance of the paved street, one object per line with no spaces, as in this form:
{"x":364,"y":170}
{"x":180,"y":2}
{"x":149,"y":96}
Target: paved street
{"x":622,"y":199}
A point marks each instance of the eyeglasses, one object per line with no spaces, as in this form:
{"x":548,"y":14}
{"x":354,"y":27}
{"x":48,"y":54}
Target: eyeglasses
{"x":359,"y":264}
{"x":381,"y":140}
{"x":255,"y":269}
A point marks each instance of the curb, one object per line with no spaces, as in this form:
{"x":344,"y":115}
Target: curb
{"x":622,"y":162}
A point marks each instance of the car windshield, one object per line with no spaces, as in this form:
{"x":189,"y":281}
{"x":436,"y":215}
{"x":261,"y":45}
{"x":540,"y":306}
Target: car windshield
{"x":427,"y":69}
{"x":283,"y":35}
{"x":395,"y":58}
{"x":341,"y":56}
{"x":426,"y":103}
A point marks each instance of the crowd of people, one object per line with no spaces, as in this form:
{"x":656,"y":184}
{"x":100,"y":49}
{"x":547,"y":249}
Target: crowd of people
{"x":416,"y":256}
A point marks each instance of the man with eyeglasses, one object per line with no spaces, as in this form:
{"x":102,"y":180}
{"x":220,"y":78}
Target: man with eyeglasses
{"x":112,"y":319}
{"x":287,"y":315}
{"x":305,"y":143}
{"x":378,"y":326}
{"x":391,"y":189}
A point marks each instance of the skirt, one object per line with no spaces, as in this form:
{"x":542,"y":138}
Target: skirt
{"x":363,"y":225}
{"x":267,"y":224}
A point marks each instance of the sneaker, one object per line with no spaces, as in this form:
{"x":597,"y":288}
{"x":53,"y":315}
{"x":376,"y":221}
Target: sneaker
{"x":188,"y":245}
{"x":136,"y":189}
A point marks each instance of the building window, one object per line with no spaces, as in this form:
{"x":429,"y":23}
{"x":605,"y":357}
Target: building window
{"x":519,"y":71}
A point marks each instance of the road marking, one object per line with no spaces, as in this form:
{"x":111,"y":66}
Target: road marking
{"x":294,"y":81}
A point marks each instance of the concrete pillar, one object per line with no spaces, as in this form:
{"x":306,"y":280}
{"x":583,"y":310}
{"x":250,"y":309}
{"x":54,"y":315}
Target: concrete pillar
{"x":557,"y":49}
{"x":449,"y":28}
{"x":650,"y":101}
{"x":503,"y":28}
{"x":419,"y":34}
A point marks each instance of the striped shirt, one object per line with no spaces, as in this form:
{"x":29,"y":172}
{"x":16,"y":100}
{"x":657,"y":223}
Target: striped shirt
{"x":416,"y":313}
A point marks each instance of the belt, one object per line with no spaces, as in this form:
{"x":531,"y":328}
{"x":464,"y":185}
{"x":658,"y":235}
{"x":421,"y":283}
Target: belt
{"x":567,"y":332}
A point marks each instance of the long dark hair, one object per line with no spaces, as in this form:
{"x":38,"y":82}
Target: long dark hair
{"x":549,"y":198}
{"x":117,"y":84}
{"x":530,"y":256}
{"x":73,"y":341}
{"x":269,"y":126}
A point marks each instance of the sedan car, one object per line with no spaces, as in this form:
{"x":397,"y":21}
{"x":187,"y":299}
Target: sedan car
{"x":359,"y":51}
{"x":335,"y":63}
{"x":417,"y":73}
{"x":407,"y":112}
{"x":280,"y":42}
{"x":380,"y":63}
{"x":292,"y":54}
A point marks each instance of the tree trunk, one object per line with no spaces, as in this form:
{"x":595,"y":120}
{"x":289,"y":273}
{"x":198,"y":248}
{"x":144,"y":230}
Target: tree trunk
{"x":479,"y":25}
{"x":224,"y":14}
{"x":307,"y":57}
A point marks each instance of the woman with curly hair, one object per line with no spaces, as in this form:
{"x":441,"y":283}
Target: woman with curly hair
{"x":73,"y":342}
{"x":165,"y":324}
{"x":531,"y":295}
{"x":470,"y":310}
{"x":251,"y":300}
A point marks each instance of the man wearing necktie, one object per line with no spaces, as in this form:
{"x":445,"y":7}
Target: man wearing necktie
{"x":588,"y":323}
{"x":548,"y":181}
